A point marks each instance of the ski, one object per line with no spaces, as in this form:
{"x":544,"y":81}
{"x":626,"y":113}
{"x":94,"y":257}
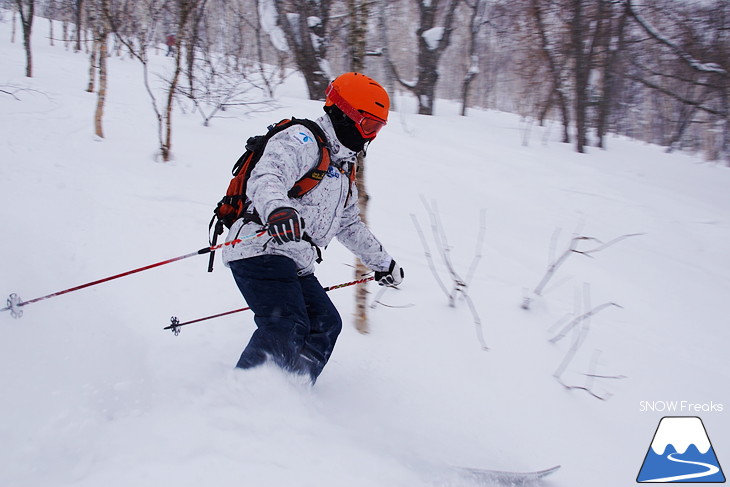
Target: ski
{"x":504,"y":477}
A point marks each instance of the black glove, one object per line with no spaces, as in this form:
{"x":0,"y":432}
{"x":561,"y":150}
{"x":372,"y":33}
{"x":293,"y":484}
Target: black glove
{"x":392,"y":277}
{"x":285,"y":225}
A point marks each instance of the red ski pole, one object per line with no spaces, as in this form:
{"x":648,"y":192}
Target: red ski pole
{"x":14,"y":303}
{"x":175,"y":323}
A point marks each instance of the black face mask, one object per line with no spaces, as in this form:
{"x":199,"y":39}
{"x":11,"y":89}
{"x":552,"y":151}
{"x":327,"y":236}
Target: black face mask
{"x":345,"y":129}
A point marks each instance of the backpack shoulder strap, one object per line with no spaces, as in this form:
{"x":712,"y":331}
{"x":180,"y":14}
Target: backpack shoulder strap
{"x":319,"y":171}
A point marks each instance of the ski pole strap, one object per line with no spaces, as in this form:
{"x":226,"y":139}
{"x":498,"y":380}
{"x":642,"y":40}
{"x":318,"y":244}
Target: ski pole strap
{"x":309,"y":240}
{"x":218,"y":230}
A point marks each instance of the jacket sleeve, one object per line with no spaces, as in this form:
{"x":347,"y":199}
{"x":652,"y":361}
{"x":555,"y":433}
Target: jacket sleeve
{"x":358,"y":238}
{"x":287,"y":157}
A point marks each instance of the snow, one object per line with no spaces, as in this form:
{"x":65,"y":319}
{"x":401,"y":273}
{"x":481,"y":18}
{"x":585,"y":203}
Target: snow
{"x":269,"y":23}
{"x":95,"y":392}
{"x":689,"y":430}
{"x":433,"y":37}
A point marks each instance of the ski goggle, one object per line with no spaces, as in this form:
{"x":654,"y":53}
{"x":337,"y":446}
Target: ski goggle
{"x":367,"y":124}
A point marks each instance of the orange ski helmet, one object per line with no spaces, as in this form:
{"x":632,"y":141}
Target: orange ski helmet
{"x":362,"y":99}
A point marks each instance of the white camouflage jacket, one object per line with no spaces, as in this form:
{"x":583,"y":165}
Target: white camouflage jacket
{"x":327,"y":210}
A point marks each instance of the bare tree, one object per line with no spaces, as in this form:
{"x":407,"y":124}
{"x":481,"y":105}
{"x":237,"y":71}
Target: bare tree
{"x":552,"y":56}
{"x":685,"y":60}
{"x":135,"y":27}
{"x":79,"y":18}
{"x":186,"y":16}
{"x":436,"y":19}
{"x":305,"y":22}
{"x":477,"y":20}
{"x":26,"y":8}
{"x":270,"y":73}
{"x":613,"y":43}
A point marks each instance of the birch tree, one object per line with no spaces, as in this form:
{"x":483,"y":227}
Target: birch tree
{"x":98,"y":61}
{"x":358,"y":11}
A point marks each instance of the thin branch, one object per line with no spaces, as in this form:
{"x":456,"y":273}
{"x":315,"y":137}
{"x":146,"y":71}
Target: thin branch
{"x":429,"y":259}
{"x":477,"y":322}
{"x":580,"y":337}
{"x":677,"y":97}
{"x":460,"y":285}
{"x":604,"y":246}
{"x":581,"y":318}
{"x":479,"y":247}
{"x":572,"y":248}
{"x":10,"y":93}
{"x":377,"y":301}
{"x":17,"y":90}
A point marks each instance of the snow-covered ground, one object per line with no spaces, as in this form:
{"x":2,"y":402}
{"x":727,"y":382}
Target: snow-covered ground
{"x":94,"y":392}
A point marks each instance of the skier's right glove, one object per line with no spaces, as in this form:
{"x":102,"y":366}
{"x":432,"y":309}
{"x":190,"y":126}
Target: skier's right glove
{"x":392,"y":277}
{"x":285,"y":225}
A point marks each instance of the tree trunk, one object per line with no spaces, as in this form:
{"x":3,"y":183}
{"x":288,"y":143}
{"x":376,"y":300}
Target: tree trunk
{"x":92,"y":66}
{"x":433,"y":39}
{"x":28,"y":53}
{"x":361,"y":291}
{"x":79,"y":7}
{"x":357,"y":37}
{"x":166,"y":148}
{"x":101,"y":96}
{"x":580,"y":75}
{"x":307,"y":40}
{"x":553,"y":68}
{"x":475,"y":22}
{"x":12,"y":32}
{"x":26,"y":8}
{"x":389,"y":81}
{"x":64,"y":32}
{"x":614,"y":48}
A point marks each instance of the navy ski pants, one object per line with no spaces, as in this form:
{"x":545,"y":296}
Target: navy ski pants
{"x":296,"y":323}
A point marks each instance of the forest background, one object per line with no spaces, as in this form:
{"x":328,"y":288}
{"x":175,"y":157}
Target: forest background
{"x":656,"y":71}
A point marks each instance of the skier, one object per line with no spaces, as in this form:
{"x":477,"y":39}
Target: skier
{"x":171,"y":41}
{"x":297,"y":324}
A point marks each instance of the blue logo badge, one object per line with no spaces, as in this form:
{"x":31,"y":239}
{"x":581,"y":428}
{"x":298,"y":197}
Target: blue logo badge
{"x":332,"y":172}
{"x":681,"y":452}
{"x":303,"y":138}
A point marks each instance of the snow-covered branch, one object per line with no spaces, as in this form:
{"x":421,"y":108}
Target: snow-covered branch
{"x":691,"y":61}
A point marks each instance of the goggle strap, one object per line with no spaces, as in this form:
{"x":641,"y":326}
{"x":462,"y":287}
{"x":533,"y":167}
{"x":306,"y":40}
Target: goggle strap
{"x":343,"y":105}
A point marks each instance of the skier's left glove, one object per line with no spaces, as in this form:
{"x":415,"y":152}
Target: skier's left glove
{"x":392,"y":277}
{"x":285,"y":225}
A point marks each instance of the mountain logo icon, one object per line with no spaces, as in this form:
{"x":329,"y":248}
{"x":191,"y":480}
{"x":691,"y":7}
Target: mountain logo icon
{"x":681,"y":452}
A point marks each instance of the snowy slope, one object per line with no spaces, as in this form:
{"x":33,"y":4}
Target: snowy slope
{"x":94,"y":392}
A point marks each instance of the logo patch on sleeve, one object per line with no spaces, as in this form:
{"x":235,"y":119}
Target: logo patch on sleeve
{"x":303,"y":138}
